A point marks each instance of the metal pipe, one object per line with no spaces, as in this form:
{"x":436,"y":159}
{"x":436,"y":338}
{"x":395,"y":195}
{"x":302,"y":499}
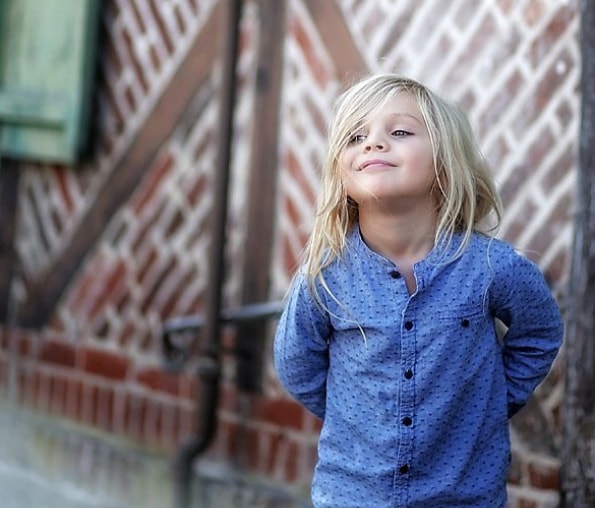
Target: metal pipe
{"x":209,"y":368}
{"x":251,"y":312}
{"x":179,"y":336}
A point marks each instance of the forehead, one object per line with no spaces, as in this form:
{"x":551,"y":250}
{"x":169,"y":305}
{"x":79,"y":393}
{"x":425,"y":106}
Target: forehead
{"x":401,"y":106}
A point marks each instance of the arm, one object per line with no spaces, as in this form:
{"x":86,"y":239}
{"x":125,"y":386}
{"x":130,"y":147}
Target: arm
{"x":525,"y":305}
{"x":301,"y":349}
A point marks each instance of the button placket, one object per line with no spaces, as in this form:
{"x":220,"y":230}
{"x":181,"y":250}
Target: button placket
{"x":407,"y":397}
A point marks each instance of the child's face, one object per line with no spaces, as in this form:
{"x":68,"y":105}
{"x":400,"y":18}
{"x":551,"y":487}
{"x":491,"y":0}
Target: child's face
{"x":389,"y":160}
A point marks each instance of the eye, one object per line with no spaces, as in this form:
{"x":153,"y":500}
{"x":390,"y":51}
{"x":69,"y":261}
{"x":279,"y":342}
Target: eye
{"x":356,"y":139}
{"x":400,"y":133}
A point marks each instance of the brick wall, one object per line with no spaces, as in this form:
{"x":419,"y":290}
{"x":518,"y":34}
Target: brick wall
{"x":513,"y":65}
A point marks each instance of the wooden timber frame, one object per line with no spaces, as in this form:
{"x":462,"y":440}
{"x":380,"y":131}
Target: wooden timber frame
{"x":578,"y":419}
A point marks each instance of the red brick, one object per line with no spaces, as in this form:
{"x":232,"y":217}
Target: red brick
{"x":277,"y":441}
{"x":281,"y":412}
{"x":153,"y":422}
{"x":135,"y":413}
{"x":318,"y":70}
{"x":506,"y":5}
{"x":533,"y":12}
{"x":104,"y":363}
{"x":73,"y":400}
{"x":562,"y":166}
{"x":196,"y":191}
{"x":298,"y":176}
{"x":163,"y":30}
{"x":527,"y":503}
{"x":291,"y":464}
{"x":169,"y":435}
{"x":18,"y":341}
{"x":550,"y":35}
{"x":139,"y":71}
{"x":498,"y":105}
{"x":544,"y":237}
{"x":159,"y":380}
{"x":541,"y":147}
{"x":112,"y":284}
{"x":252,"y":445}
{"x":228,"y":394}
{"x":28,"y":386}
{"x":152,"y":184}
{"x":180,"y":22}
{"x":44,"y":391}
{"x":58,"y":353}
{"x":169,"y":301}
{"x":82,"y":296}
{"x":187,"y":424}
{"x":63,"y":189}
{"x":167,"y":267}
{"x":104,"y":408}
{"x":139,"y":19}
{"x":88,"y":403}
{"x":227,"y":441}
{"x":544,"y":476}
{"x":57,"y":402}
{"x":486,"y":31}
{"x":126,"y":334}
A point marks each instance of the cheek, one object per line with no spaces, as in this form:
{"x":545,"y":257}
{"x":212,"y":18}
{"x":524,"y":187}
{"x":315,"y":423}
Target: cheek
{"x":346,"y":161}
{"x":346,"y":169}
{"x":425,"y":166}
{"x":347,"y":179}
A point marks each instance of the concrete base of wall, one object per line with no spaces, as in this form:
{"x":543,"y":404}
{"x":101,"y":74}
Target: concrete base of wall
{"x":49,"y":462}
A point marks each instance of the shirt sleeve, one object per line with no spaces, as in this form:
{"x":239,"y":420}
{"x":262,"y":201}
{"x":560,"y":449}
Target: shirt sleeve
{"x":301,"y":348}
{"x":524,"y":303}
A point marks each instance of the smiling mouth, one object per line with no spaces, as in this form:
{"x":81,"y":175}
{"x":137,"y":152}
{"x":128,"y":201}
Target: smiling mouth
{"x":375,"y":163}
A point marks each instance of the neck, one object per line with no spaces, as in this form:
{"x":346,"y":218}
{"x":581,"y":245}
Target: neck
{"x":403,"y":238}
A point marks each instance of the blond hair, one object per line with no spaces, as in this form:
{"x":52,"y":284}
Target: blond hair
{"x":466,"y":192}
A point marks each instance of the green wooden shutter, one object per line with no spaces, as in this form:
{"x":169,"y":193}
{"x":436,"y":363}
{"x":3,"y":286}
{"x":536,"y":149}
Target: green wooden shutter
{"x":47,"y":62}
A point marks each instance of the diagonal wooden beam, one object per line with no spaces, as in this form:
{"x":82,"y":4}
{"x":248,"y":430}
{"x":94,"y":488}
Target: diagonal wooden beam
{"x":193,"y":71}
{"x":9,"y":184}
{"x":337,"y":38}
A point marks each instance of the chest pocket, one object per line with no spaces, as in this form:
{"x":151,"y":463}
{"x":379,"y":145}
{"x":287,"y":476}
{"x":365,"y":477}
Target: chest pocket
{"x":467,"y":323}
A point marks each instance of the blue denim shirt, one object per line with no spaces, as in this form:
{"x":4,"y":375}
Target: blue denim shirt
{"x":415,"y":391}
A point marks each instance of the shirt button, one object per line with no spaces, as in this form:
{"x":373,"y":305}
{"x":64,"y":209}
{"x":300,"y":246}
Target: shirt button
{"x":404,"y":469}
{"x":395,"y":274}
{"x":408,"y":374}
{"x":408,"y":325}
{"x":465,"y":323}
{"x":407,"y":421}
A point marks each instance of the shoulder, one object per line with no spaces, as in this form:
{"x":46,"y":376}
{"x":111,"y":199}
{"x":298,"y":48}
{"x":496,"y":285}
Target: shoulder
{"x":491,"y":244}
{"x":505,"y":267}
{"x":512,"y":273}
{"x":499,"y":254}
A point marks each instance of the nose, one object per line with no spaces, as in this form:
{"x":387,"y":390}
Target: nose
{"x":374,"y":143}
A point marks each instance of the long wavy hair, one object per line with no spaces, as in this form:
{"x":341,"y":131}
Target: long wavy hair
{"x":465,"y":190}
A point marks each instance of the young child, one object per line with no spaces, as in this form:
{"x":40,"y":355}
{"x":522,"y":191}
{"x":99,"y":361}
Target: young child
{"x":389,"y":332}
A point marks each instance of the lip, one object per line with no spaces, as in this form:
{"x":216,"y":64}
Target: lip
{"x":375,"y":162}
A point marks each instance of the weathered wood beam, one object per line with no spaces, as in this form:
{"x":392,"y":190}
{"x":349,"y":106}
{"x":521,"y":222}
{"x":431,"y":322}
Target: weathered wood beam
{"x":337,"y":39}
{"x":578,"y":460}
{"x":9,"y":185}
{"x":263,"y":171}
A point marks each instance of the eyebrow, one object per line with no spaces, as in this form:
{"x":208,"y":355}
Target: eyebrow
{"x":407,"y":115}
